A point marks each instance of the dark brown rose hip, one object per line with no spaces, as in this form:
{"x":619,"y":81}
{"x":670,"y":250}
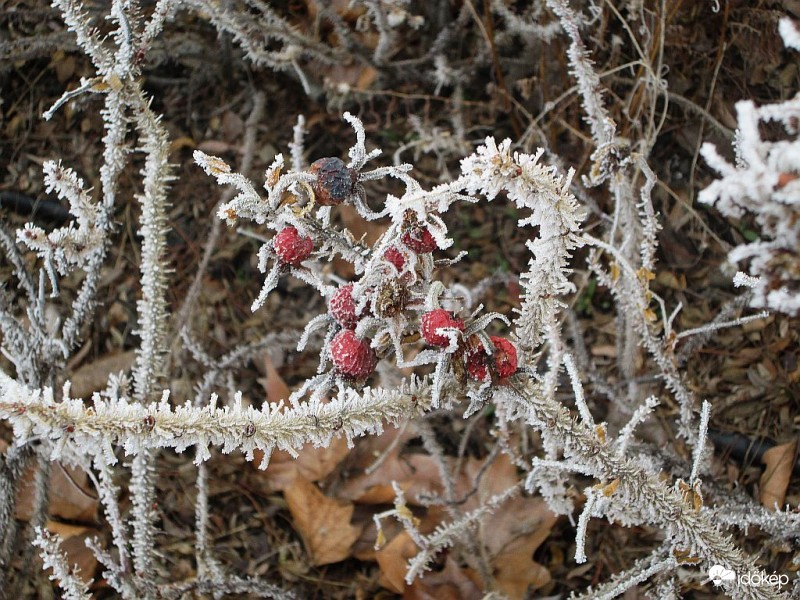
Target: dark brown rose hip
{"x":334,"y":182}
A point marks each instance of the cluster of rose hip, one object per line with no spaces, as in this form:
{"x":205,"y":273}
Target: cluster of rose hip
{"x":483,"y":358}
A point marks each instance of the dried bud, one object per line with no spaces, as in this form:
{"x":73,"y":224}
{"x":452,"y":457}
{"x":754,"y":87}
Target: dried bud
{"x":391,"y":298}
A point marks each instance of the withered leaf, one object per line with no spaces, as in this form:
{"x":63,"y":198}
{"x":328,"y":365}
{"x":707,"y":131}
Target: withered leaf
{"x":322,"y":522}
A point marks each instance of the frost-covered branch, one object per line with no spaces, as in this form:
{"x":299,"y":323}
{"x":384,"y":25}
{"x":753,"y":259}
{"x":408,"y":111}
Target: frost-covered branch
{"x":764,"y":183}
{"x":137,"y":427}
{"x":69,"y":578}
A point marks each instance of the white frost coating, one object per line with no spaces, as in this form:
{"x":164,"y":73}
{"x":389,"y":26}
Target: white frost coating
{"x":788,"y":30}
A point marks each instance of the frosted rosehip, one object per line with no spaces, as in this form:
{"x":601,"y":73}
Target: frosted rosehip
{"x":351,"y":356}
{"x":291,"y":247}
{"x":503,"y":360}
{"x":334,"y":182}
{"x":435,"y":320}
{"x":416,"y":234}
{"x":342,"y":307}
{"x":394,"y":256}
{"x":419,"y":239}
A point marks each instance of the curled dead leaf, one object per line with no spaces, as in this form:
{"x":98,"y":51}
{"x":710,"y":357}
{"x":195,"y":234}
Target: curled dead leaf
{"x":74,"y":546}
{"x":775,"y":479}
{"x":322,"y":522}
{"x":71,"y":497}
{"x":93,"y":377}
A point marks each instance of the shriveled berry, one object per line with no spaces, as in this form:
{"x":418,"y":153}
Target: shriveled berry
{"x":343,"y":308}
{"x":503,"y":360}
{"x":391,"y":297}
{"x":419,"y":239}
{"x":334,"y":182}
{"x":394,"y":256}
{"x":291,"y":247}
{"x":435,"y":320}
{"x":351,"y":356}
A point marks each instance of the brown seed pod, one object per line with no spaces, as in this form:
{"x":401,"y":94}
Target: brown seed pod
{"x":334,"y":182}
{"x":391,"y":298}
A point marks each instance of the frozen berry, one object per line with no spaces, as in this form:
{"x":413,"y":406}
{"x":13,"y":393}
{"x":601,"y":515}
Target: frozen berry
{"x":334,"y":181}
{"x":503,"y":360}
{"x":419,"y":239}
{"x":435,"y":320}
{"x":394,"y":256}
{"x":351,"y":356}
{"x":291,"y":247}
{"x":343,"y":308}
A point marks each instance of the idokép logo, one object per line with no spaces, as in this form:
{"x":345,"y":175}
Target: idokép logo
{"x":721,"y":575}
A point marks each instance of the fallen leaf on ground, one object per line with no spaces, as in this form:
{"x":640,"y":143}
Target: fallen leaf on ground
{"x":74,"y":546}
{"x":70,"y":495}
{"x":312,"y":463}
{"x":451,"y":583}
{"x":416,"y":474}
{"x":780,"y":462}
{"x":364,"y":548}
{"x":515,"y":571}
{"x":322,"y":522}
{"x":274,"y":386}
{"x":514,"y":531}
{"x":393,"y":561}
{"x":93,"y":377}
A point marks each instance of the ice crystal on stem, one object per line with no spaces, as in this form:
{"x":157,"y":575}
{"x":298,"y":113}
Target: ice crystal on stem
{"x":764,"y":183}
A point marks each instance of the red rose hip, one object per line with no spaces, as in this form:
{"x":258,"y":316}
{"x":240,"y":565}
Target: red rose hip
{"x":420,"y":240}
{"x":504,"y":360}
{"x":343,"y":308}
{"x":435,"y":320}
{"x":351,"y":356}
{"x":395,"y":257}
{"x":290,"y":247}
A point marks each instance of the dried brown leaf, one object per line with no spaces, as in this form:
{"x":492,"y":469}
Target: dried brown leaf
{"x":451,"y":583}
{"x":513,"y":532}
{"x":312,"y":464}
{"x":775,"y":479}
{"x":93,"y":377}
{"x":274,"y":386}
{"x":322,"y":522}
{"x":514,"y":568}
{"x":393,"y":561}
{"x":74,"y":546}
{"x":71,"y":497}
{"x":415,"y":473}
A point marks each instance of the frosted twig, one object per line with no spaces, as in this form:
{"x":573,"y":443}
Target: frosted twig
{"x":700,"y":445}
{"x":445,"y":535}
{"x":712,"y":327}
{"x":69,"y":579}
{"x":152,"y":308}
{"x":577,"y":388}
{"x":583,"y":522}
{"x":645,"y":568}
